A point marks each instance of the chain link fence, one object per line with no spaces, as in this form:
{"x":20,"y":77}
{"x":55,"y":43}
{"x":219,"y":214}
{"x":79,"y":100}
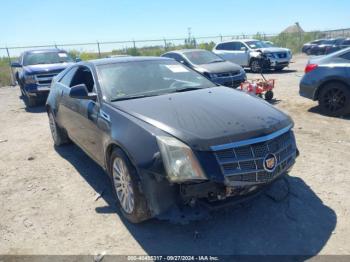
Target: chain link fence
{"x":155,"y":47}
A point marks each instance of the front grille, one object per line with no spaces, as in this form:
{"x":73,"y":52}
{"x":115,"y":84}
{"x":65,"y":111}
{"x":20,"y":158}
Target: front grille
{"x":282,"y":55}
{"x":245,"y":163}
{"x":228,"y":74}
{"x":234,"y":84}
{"x":45,"y":79}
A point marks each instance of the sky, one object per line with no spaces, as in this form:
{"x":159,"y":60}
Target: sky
{"x":36,"y":22}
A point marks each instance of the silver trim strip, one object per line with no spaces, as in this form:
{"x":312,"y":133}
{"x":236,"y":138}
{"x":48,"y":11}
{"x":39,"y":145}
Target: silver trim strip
{"x":252,"y":140}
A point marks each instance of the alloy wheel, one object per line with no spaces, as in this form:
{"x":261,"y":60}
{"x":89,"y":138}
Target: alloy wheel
{"x":123,"y":185}
{"x":255,"y":66}
{"x":334,"y":99}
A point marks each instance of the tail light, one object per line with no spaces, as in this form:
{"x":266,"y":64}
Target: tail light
{"x":310,"y":67}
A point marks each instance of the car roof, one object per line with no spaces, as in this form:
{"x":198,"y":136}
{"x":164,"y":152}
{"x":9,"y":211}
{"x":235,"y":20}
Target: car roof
{"x":182,"y":51}
{"x":46,"y":50}
{"x":238,"y":40}
{"x":125,"y":59}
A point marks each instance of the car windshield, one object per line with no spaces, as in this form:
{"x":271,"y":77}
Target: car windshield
{"x":46,"y":58}
{"x":257,"y":44}
{"x":128,"y":80}
{"x":202,"y":57}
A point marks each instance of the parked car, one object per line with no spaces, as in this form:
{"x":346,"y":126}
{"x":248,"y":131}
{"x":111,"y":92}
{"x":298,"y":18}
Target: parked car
{"x":35,"y":70}
{"x":322,"y":48}
{"x":210,"y":65}
{"x":307,"y":46}
{"x":247,"y":53}
{"x":345,"y":43}
{"x":170,"y":139}
{"x":327,"y":80}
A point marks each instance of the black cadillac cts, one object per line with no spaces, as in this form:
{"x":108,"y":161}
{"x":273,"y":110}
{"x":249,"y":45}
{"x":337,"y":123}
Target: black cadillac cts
{"x":169,"y":138}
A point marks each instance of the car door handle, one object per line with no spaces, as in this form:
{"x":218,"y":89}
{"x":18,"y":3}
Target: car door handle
{"x":105,"y":116}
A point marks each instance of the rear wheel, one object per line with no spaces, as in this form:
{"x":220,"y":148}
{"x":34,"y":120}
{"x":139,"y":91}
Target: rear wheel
{"x":126,"y":188}
{"x":59,"y":136}
{"x":334,"y":99}
{"x":268,"y":95}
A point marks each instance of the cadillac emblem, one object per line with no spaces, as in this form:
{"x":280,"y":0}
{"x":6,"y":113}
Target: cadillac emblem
{"x":270,"y":162}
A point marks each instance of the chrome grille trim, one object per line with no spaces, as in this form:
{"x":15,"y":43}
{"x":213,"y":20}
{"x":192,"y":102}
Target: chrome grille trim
{"x":45,"y":79}
{"x":252,"y":141}
{"x":244,"y":161}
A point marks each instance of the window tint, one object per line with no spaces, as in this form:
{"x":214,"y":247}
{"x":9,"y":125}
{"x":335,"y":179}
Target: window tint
{"x":226,"y":46}
{"x":67,"y":79}
{"x":346,"y":56}
{"x":346,"y":42}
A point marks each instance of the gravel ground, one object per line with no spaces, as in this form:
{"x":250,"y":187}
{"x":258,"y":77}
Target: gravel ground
{"x":58,"y":201}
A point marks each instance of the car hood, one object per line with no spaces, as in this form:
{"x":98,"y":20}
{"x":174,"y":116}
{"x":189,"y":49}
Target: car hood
{"x":219,"y":67}
{"x":208,"y":117}
{"x":273,"y":49}
{"x":45,"y":68}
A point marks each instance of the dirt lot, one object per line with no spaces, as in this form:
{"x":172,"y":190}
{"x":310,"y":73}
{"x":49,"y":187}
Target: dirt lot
{"x":49,"y":197}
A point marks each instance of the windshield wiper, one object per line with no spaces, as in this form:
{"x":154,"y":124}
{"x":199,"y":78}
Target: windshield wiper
{"x":216,"y":61}
{"x":129,"y":97}
{"x":184,"y":89}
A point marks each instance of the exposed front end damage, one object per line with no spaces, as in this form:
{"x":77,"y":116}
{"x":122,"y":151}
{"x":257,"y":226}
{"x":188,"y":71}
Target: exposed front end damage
{"x":239,"y":172}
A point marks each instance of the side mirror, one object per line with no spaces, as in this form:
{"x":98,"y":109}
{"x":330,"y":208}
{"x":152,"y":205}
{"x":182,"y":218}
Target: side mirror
{"x":15,"y":64}
{"x":78,"y":59}
{"x":81,"y":92}
{"x":243,"y":48}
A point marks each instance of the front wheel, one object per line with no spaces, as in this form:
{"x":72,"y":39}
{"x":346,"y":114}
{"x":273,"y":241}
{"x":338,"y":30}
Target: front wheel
{"x":31,"y":101}
{"x":255,"y":66}
{"x":334,"y":99}
{"x":126,"y":188}
{"x":59,"y":136}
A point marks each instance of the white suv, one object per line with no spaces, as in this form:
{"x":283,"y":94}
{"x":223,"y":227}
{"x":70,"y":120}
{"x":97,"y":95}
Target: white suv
{"x":247,"y":53}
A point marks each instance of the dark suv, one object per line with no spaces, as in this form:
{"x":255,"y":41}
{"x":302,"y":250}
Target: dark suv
{"x":36,"y":69}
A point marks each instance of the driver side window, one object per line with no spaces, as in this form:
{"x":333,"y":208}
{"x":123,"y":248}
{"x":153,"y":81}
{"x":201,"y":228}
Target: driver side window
{"x":84,"y":76}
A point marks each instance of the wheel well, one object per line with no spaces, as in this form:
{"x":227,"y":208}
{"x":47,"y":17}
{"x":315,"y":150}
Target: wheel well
{"x":319,"y":89}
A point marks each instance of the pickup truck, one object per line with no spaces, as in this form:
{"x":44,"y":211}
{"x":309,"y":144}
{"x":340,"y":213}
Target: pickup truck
{"x":35,"y":70}
{"x":249,"y":53}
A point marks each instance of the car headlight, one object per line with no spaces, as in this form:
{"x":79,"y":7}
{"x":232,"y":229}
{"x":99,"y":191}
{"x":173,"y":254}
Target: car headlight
{"x":30,"y":79}
{"x":270,"y":55}
{"x":179,"y":161}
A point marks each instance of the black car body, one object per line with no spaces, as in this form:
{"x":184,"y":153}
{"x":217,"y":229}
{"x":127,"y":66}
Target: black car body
{"x":345,"y":43}
{"x":325,"y":46}
{"x":308,"y":46}
{"x":36,"y":69}
{"x":189,"y":145}
{"x":327,"y":80}
{"x":210,"y":65}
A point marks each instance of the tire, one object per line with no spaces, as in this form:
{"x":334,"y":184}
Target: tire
{"x":308,"y":51}
{"x":268,"y":95}
{"x":59,"y":136}
{"x":255,"y":66}
{"x":334,"y":99}
{"x":279,"y":68}
{"x":31,"y":101}
{"x":126,"y":187}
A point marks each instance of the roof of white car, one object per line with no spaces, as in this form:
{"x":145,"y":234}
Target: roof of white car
{"x":241,"y":40}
